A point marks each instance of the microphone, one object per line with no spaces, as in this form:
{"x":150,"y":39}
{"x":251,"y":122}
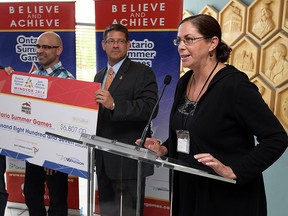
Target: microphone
{"x":167,"y":81}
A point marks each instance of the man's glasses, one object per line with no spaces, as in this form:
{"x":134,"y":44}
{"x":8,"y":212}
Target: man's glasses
{"x":187,"y":41}
{"x":112,"y":42}
{"x":45,"y":47}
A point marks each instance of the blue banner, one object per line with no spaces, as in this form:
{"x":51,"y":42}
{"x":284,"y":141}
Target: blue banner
{"x":22,"y":23}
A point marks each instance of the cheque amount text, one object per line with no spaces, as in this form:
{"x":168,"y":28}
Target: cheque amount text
{"x":72,"y":128}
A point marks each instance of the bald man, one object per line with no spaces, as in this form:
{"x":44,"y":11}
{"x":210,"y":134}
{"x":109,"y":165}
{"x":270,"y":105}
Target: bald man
{"x":48,"y":49}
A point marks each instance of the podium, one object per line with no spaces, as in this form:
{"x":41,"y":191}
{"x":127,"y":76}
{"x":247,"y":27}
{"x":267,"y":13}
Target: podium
{"x":141,"y":155}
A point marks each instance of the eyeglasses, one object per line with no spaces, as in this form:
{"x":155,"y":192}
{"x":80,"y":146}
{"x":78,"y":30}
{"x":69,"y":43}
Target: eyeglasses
{"x":45,"y":47}
{"x":187,"y":41}
{"x":112,"y":42}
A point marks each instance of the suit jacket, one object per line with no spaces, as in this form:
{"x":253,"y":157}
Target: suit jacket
{"x":135,"y":93}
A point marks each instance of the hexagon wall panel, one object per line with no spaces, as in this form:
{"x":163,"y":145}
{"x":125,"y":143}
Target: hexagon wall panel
{"x":232,"y":20}
{"x":274,"y":60}
{"x":264,"y":19}
{"x":210,"y":10}
{"x":268,"y":94}
{"x":281,"y":109}
{"x":245,"y":56}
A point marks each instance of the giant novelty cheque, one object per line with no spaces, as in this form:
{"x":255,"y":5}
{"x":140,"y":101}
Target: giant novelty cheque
{"x":33,"y":107}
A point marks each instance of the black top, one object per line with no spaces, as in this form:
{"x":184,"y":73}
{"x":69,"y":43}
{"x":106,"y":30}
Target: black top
{"x":228,"y":118}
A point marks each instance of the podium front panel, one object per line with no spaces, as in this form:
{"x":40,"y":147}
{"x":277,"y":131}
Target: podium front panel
{"x":139,"y":170}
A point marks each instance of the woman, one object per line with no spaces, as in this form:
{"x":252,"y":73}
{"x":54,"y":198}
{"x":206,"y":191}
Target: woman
{"x":216,"y":115}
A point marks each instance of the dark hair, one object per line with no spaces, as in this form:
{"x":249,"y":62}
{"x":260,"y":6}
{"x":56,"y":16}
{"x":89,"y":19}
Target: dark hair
{"x":116,"y":27}
{"x":209,"y":27}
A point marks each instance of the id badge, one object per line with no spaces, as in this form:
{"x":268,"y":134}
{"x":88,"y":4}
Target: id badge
{"x":183,"y":141}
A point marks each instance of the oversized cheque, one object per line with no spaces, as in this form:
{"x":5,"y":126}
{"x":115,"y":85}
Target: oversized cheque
{"x":33,"y":105}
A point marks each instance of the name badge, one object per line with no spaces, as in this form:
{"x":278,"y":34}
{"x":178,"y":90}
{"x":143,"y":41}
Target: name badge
{"x":183,"y":141}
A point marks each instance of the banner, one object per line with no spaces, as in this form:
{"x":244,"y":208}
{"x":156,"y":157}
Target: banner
{"x":152,"y":30}
{"x":152,"y":26}
{"x":22,"y":23}
{"x":15,"y":176}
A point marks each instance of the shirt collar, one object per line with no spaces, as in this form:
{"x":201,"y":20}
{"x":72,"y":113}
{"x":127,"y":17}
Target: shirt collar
{"x":51,"y":69}
{"x":116,"y":66}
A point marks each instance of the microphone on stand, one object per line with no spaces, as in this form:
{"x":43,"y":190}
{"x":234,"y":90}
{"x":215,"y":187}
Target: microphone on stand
{"x":167,"y":81}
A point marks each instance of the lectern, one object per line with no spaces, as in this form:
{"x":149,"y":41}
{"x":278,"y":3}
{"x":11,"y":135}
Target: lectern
{"x":142,"y":155}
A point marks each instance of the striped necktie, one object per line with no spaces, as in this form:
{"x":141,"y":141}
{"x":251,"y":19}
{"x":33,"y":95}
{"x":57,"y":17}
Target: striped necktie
{"x":109,"y":78}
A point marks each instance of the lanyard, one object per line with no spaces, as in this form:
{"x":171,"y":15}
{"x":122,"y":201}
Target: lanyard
{"x":196,"y":101}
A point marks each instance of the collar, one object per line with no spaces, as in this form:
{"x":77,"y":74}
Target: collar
{"x":116,"y":66}
{"x":51,"y":69}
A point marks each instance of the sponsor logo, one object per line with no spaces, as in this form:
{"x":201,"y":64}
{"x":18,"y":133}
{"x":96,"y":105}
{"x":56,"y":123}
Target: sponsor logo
{"x":26,"y":108}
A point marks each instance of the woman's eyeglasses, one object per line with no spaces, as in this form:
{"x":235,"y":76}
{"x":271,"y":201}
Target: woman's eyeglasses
{"x":187,"y":41}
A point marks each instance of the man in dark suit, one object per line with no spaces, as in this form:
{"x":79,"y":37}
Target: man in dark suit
{"x":124,"y":111}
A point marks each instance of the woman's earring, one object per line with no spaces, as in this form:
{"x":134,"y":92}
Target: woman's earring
{"x":210,"y":54}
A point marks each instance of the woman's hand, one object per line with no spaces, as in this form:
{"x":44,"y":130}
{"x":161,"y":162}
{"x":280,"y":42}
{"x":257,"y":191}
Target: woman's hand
{"x":222,"y":170}
{"x":154,"y":145}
